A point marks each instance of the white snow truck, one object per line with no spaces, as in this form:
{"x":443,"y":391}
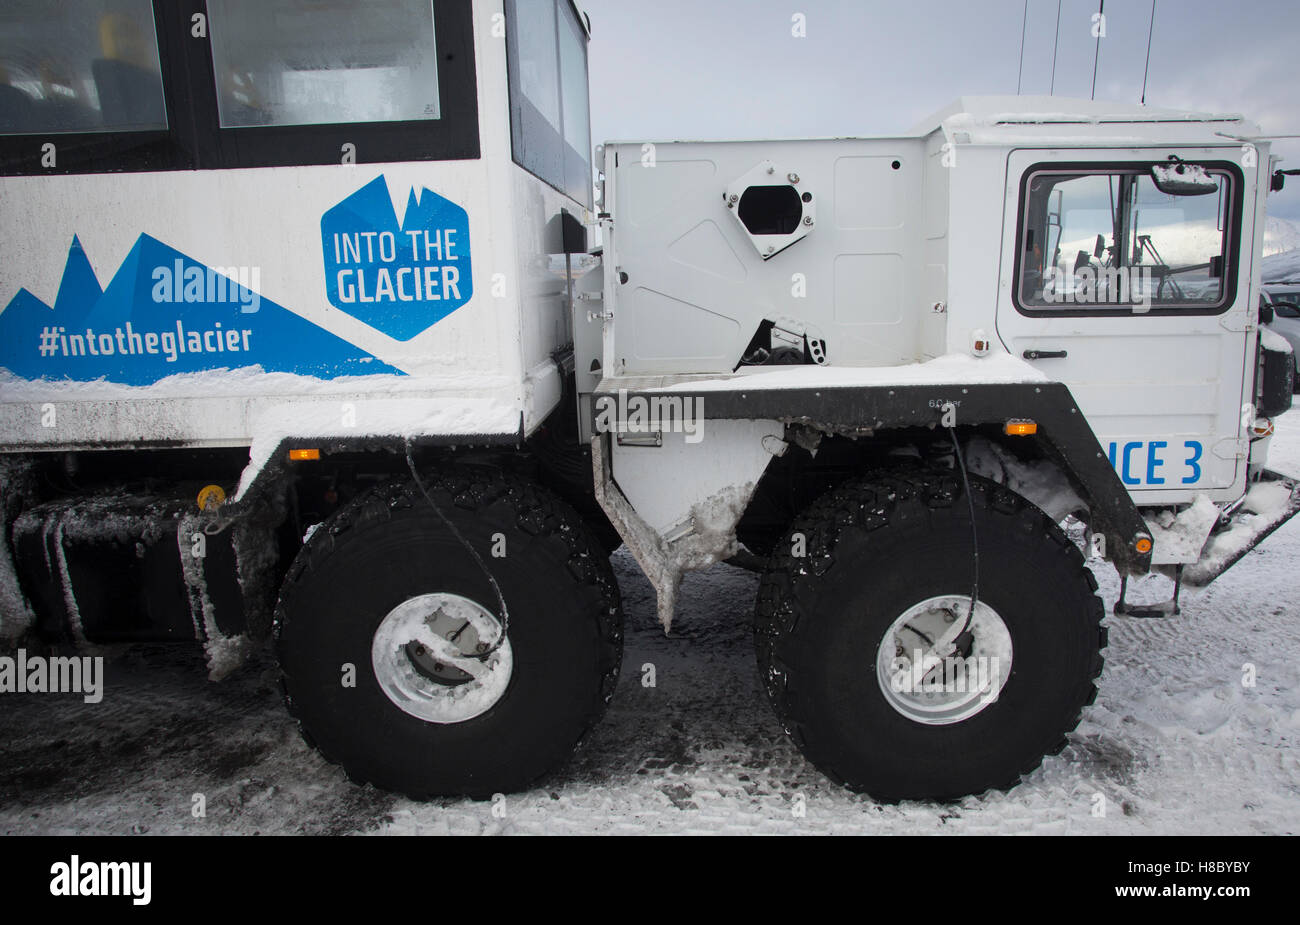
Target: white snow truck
{"x":313,"y":328}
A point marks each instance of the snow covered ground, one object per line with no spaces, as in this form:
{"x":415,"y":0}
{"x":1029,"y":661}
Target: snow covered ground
{"x":1175,"y":743}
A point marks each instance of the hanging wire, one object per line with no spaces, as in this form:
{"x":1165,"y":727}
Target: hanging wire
{"x":1024,"y":21}
{"x":1096,"y":55}
{"x":473,"y":554}
{"x":1052,"y":89}
{"x":1147,"y":67}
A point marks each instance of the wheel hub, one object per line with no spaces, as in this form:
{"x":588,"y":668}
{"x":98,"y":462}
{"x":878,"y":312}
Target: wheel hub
{"x":434,"y":658}
{"x":931,"y":672}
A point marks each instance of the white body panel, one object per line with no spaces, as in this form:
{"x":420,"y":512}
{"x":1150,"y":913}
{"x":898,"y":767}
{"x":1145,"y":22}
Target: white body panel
{"x":698,"y":287}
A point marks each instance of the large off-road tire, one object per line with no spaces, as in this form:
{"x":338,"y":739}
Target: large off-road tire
{"x":383,"y":576}
{"x":877,"y":549}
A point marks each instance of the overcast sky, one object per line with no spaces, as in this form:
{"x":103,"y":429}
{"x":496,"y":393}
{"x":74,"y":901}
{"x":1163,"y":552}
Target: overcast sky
{"x":664,"y":69}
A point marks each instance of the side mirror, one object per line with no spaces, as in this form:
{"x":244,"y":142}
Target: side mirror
{"x":565,"y":234}
{"x":1100,"y":248}
{"x":1181,"y":179}
{"x":1265,"y":312}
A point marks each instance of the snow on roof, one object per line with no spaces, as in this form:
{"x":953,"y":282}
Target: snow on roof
{"x":993,"y":117}
{"x":1037,"y":110}
{"x":1058,"y":119}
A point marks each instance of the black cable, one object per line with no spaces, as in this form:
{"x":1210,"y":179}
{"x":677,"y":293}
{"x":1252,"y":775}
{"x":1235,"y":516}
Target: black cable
{"x":962,"y":637}
{"x":1051,"y":91}
{"x":1024,"y":21}
{"x":501,"y":601}
{"x":1146,"y":68}
{"x":1096,"y":55}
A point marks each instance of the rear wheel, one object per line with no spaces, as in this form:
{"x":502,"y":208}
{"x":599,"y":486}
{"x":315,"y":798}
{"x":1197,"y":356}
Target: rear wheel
{"x":851,"y":636}
{"x":397,"y":662}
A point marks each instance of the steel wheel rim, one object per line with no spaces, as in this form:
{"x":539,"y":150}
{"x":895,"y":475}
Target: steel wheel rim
{"x":952,"y":689}
{"x":433,"y":658}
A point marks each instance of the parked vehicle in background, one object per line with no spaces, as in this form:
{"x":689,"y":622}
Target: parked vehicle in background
{"x":1285,"y":320}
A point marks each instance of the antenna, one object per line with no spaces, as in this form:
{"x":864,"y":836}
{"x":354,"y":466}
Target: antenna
{"x":1051,"y":91}
{"x":1101,"y":12}
{"x":1024,"y":21}
{"x":1147,"y":67}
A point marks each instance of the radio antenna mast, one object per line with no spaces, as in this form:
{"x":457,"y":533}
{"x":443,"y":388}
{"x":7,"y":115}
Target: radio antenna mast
{"x":1024,"y":20}
{"x":1101,"y":28}
{"x":1052,"y":89}
{"x":1147,"y":67}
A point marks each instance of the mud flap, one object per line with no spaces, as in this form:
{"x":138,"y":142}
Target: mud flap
{"x":1271,"y":501}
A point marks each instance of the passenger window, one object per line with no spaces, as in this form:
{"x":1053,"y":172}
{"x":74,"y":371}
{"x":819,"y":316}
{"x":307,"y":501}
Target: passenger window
{"x":550,"y":123}
{"x":1114,"y":241}
{"x":577,"y":116}
{"x":539,"y":71}
{"x":302,"y":62}
{"x":79,"y":67}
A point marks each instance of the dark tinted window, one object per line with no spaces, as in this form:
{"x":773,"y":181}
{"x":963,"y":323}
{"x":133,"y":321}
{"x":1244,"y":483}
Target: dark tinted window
{"x":302,"y":62}
{"x":550,"y":124}
{"x":90,"y":66}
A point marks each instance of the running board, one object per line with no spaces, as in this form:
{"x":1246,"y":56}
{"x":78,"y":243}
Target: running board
{"x":1271,"y":501}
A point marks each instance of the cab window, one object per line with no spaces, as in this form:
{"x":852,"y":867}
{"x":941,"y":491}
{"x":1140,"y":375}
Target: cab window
{"x":1110,"y":240}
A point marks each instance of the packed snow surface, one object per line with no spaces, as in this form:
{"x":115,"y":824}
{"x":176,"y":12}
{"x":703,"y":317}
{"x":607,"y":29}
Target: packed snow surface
{"x":1175,"y":742}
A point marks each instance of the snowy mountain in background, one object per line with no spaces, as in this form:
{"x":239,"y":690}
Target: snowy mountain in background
{"x":1280,"y":235}
{"x":1281,"y":251}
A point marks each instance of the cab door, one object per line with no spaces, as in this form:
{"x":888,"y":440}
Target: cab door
{"x":1137,"y":298}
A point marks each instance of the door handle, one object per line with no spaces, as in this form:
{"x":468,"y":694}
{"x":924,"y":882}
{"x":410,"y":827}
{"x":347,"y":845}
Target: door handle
{"x":1044,"y":354}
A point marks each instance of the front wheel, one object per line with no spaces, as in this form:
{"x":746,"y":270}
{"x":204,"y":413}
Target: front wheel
{"x":853,"y":636}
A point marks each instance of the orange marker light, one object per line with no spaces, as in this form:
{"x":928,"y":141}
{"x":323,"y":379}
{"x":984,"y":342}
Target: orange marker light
{"x":1020,"y":427}
{"x":303,"y":455}
{"x":1143,"y":544}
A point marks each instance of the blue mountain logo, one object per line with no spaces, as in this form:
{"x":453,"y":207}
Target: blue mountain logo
{"x":164,"y":313}
{"x":398,"y":277}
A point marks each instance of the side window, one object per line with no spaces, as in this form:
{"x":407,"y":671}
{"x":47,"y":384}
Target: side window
{"x":298,"y":62}
{"x":1112,"y":241}
{"x":550,"y":123}
{"x":79,"y":67}
{"x":577,"y":107}
{"x":1182,"y":240}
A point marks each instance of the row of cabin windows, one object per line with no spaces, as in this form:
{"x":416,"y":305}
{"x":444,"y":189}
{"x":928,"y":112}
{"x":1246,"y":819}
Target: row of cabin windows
{"x":93,"y":66}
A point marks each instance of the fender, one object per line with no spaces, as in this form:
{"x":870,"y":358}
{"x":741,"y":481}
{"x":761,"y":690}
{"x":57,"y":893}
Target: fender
{"x":1063,"y":431}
